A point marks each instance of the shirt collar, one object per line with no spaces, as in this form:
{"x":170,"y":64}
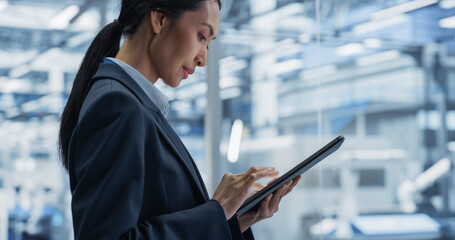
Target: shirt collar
{"x":157,"y":97}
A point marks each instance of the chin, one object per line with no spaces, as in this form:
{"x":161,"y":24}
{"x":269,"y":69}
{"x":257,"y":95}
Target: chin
{"x":173,"y":84}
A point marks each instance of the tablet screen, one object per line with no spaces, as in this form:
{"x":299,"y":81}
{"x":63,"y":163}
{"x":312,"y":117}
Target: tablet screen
{"x":253,"y":202}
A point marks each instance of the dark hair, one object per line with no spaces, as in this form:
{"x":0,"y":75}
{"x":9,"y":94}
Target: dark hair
{"x":107,"y":44}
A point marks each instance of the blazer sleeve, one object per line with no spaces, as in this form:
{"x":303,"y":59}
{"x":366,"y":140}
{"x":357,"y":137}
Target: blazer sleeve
{"x":107,"y":163}
{"x":235,"y":230}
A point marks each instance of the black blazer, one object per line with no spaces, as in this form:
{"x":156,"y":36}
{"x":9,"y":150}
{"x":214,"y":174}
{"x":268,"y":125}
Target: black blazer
{"x":131,"y":176}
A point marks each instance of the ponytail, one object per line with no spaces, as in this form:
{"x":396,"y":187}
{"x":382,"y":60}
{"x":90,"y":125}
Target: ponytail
{"x":105,"y":44}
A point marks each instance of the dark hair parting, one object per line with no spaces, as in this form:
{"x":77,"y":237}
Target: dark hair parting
{"x":107,"y":44}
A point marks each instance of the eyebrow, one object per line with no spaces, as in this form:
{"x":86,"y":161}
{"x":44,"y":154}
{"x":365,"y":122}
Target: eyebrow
{"x":211,"y":29}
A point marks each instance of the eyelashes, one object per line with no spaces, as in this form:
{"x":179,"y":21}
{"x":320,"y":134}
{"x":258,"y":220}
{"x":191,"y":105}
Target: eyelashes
{"x":203,"y":38}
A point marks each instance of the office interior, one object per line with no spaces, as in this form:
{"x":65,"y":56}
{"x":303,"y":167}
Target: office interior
{"x":283,"y":78}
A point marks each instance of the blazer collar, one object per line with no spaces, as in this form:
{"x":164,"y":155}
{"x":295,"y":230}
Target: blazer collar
{"x":114,"y":72}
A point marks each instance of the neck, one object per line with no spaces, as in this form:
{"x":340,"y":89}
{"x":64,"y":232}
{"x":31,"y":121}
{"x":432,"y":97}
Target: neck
{"x":132,"y":53}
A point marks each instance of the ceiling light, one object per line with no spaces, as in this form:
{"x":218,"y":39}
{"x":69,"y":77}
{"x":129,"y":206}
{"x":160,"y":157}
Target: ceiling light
{"x":375,"y":25}
{"x":305,"y":38}
{"x":447,"y":22}
{"x":402,"y":8}
{"x":234,"y":142}
{"x":451,"y":146}
{"x":19,"y":71}
{"x":372,"y":43}
{"x":289,"y":50}
{"x":349,"y":49}
{"x":281,"y":13}
{"x":378,"y":58}
{"x":79,"y":39}
{"x":287,"y":66}
{"x":227,"y":82}
{"x":230,"y":93}
{"x":62,"y":19}
{"x":447,"y":4}
{"x":3,"y":5}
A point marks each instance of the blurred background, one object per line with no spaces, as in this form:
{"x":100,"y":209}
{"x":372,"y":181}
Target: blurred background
{"x":284,"y":77}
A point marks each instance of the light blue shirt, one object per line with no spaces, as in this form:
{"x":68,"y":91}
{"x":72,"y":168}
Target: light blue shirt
{"x":157,"y":97}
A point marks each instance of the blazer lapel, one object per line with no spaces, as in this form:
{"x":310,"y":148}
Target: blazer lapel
{"x":112,"y":71}
{"x":181,"y":149}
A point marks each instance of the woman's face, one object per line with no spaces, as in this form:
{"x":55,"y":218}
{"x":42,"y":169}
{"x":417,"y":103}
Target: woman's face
{"x":177,"y":50}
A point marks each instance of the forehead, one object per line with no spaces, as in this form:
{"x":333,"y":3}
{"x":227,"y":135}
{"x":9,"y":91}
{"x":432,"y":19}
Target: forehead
{"x":208,"y":12}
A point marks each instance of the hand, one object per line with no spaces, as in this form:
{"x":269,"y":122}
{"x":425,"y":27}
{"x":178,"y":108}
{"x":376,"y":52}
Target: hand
{"x":269,"y":205}
{"x":234,"y":188}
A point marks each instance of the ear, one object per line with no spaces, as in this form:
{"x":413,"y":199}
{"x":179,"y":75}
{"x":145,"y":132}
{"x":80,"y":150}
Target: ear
{"x":158,"y":21}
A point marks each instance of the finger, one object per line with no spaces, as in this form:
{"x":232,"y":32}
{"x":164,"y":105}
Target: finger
{"x":252,"y":193}
{"x":253,"y":177}
{"x":266,"y":202}
{"x":258,"y":169}
{"x":271,"y":181}
{"x":278,"y":195}
{"x":257,"y":186}
{"x":275,"y":202}
{"x":295,"y":181}
{"x":285,"y":188}
{"x":264,"y":211}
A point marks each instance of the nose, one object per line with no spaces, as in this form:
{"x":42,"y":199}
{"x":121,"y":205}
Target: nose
{"x":201,"y":57}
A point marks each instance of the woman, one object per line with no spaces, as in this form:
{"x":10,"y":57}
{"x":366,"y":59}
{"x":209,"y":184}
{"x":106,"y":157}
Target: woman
{"x":131,"y":177}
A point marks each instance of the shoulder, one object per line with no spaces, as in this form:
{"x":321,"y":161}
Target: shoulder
{"x":110,"y":97}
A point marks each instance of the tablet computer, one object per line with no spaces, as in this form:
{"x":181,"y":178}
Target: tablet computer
{"x":253,"y":202}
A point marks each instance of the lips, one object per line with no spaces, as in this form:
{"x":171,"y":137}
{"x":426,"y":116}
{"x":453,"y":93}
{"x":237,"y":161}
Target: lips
{"x":187,"y":72}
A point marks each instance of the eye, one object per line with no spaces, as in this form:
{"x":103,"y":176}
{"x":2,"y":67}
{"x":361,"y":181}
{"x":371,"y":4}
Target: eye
{"x":202,"y":37}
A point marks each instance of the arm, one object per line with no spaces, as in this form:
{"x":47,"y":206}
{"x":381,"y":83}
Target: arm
{"x":107,"y":161}
{"x":236,"y":229}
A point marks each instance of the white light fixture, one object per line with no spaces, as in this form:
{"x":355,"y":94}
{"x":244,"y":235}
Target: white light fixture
{"x":3,"y":5}
{"x":25,"y":165}
{"x":287,"y":66}
{"x":447,"y":4}
{"x":227,"y":82}
{"x":451,"y":146}
{"x":349,"y":49}
{"x":16,"y":85}
{"x":234,"y":142}
{"x":79,"y":39}
{"x":402,"y":8}
{"x":232,"y":66}
{"x":285,"y":42}
{"x":375,"y":25}
{"x":288,"y":50}
{"x":62,"y":19}
{"x":433,"y":173}
{"x":227,"y":60}
{"x":384,"y":154}
{"x":230,"y":93}
{"x":378,"y":58}
{"x":448,"y":22}
{"x":19,"y":71}
{"x":372,"y":43}
{"x":281,"y":13}
{"x":305,"y":38}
